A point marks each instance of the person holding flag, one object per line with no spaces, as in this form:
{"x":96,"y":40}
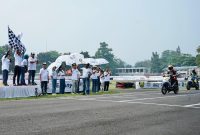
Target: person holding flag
{"x":17,"y":69}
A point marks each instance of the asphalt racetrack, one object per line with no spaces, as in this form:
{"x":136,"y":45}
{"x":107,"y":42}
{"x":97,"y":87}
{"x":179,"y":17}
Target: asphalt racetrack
{"x":140,"y":112}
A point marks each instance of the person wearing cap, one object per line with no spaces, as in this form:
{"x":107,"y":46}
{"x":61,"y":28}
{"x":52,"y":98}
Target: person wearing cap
{"x":6,"y":60}
{"x":32,"y":62}
{"x":53,"y":76}
{"x":75,"y":77}
{"x":24,"y":68}
{"x":17,"y":69}
{"x":86,"y":73}
{"x":44,"y":78}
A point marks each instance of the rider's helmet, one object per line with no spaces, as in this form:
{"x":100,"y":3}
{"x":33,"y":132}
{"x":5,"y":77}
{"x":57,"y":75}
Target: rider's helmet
{"x":193,"y":71}
{"x":170,"y":67}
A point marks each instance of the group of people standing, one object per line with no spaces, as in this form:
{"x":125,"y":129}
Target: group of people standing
{"x":23,"y":64}
{"x":100,"y":79}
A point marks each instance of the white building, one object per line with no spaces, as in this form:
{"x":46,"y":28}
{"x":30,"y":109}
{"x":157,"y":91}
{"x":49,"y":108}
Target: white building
{"x":132,"y":71}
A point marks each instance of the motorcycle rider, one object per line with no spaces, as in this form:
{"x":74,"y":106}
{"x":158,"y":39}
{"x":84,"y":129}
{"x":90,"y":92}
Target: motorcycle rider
{"x":194,"y":75}
{"x":172,"y":73}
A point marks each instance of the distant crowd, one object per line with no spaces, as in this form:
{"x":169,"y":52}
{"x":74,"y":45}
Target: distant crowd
{"x":24,"y":63}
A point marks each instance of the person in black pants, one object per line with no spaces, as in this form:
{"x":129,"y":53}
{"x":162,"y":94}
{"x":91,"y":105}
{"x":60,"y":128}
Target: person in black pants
{"x":44,"y":78}
{"x":32,"y":62}
{"x":17,"y":69}
{"x":107,"y":75}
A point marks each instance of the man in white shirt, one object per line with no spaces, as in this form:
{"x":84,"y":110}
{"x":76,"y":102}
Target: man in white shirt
{"x":87,"y":72}
{"x":54,"y":76}
{"x":75,"y":78}
{"x":107,"y":75}
{"x":6,"y":59}
{"x":44,"y":78}
{"x":17,"y":69}
{"x":32,"y":62}
{"x":24,"y":68}
{"x":94,"y":78}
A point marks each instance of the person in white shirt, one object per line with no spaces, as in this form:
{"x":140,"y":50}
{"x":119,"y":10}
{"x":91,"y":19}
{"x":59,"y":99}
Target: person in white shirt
{"x":32,"y":62}
{"x":87,"y":72}
{"x":102,"y":80}
{"x":17,"y":69}
{"x":98,"y":77}
{"x":6,"y":60}
{"x":75,"y":78}
{"x":94,"y":78}
{"x":24,"y":68}
{"x":61,"y":77}
{"x":54,"y":75}
{"x":44,"y":78}
{"x":107,"y":75}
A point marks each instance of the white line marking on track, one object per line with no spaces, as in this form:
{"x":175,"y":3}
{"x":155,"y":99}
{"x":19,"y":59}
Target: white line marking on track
{"x":144,"y":103}
{"x":138,"y":99}
{"x":192,"y":105}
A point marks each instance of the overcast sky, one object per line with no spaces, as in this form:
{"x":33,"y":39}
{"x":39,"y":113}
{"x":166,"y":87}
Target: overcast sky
{"x":133,"y":28}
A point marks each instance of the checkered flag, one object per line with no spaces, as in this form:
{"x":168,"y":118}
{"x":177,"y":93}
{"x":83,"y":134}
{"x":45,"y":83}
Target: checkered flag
{"x":15,"y":42}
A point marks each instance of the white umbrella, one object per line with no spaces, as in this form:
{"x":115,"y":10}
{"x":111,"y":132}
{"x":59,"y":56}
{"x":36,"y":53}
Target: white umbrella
{"x":62,"y":58}
{"x":91,"y":61}
{"x":57,"y":64}
{"x":75,"y":58}
{"x":101,"y":61}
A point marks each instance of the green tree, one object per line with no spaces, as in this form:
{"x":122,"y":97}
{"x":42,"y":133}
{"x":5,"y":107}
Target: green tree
{"x":178,"y":50}
{"x":155,"y":63}
{"x":85,"y":54}
{"x":3,"y":50}
{"x":176,"y":59}
{"x":198,"y":56}
{"x":145,"y":63}
{"x":106,"y":53}
{"x":48,"y":57}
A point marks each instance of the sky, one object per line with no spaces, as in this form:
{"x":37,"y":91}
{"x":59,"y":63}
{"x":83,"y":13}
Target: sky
{"x":132,"y":28}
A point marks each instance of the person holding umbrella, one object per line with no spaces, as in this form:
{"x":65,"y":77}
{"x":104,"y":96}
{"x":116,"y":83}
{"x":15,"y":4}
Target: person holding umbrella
{"x":61,"y":77}
{"x":54,"y":75}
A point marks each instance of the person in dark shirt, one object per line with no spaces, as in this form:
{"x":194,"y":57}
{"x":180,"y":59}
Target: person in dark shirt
{"x":173,"y":74}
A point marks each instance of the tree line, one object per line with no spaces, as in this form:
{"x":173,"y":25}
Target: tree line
{"x":174,"y":57}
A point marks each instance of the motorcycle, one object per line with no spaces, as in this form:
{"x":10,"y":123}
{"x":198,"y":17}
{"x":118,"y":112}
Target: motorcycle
{"x":169,"y":84}
{"x":192,"y":83}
